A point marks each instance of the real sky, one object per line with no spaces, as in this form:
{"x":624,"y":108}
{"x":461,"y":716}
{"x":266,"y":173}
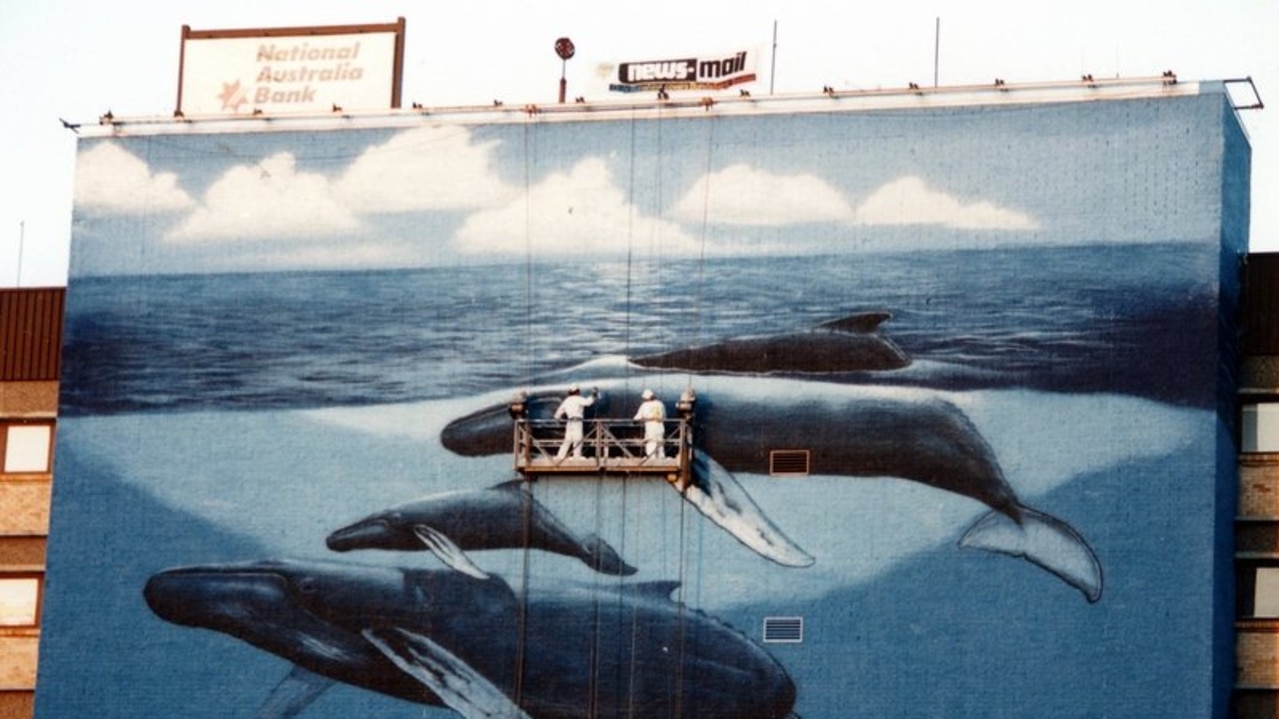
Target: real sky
{"x":76,"y":60}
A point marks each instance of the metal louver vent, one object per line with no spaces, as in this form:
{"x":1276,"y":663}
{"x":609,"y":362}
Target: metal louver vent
{"x":784,"y":630}
{"x":788,"y":462}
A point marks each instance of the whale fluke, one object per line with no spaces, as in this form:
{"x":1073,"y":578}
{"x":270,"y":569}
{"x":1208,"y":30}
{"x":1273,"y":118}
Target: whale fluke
{"x":1043,"y":540}
{"x":715,"y":492}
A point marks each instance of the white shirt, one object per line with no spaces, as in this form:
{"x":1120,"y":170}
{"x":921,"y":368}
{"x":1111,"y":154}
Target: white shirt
{"x":574,"y":406}
{"x":651,"y":411}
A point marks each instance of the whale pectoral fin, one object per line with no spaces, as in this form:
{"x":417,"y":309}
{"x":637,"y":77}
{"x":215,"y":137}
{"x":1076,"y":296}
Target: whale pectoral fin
{"x":294,"y":693}
{"x":1041,"y":539}
{"x":459,"y":686}
{"x":447,"y":551}
{"x":715,"y":492}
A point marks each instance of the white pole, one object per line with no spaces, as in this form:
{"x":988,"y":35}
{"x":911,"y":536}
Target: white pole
{"x":22,"y":235}
{"x":936,"y":48}
{"x":772,"y":71}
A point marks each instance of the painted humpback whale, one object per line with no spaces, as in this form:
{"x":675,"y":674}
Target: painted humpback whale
{"x":441,"y":637}
{"x":847,"y":430}
{"x":848,"y":344}
{"x":504,"y":516}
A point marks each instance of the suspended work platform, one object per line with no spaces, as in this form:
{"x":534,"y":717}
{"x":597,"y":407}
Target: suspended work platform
{"x":616,"y":447}
{"x":609,"y":446}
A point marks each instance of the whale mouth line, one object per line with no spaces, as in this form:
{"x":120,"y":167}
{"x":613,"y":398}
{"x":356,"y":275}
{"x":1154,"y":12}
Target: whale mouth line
{"x":235,"y":594}
{"x":357,"y":535}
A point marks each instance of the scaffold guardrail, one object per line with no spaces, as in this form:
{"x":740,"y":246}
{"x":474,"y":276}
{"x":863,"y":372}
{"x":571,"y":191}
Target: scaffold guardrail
{"x":608,"y":445}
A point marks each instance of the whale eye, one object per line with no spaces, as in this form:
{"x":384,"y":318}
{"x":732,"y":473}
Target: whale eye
{"x":307,"y":586}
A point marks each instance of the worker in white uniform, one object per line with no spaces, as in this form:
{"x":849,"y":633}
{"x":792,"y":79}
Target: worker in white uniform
{"x":573,"y":410}
{"x":653,"y":413}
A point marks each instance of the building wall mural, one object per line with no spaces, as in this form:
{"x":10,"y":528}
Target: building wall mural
{"x":940,"y":391}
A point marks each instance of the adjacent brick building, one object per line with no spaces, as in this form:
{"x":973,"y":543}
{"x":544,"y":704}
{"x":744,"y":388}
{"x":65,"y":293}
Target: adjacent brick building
{"x":30,"y":351}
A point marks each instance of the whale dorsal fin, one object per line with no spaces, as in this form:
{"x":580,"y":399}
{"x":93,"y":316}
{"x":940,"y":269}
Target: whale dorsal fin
{"x":860,"y":323}
{"x":655,"y":589}
{"x":511,"y":485}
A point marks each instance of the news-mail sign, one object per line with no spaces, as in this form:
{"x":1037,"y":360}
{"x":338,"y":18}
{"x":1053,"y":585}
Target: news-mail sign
{"x":693,"y":73}
{"x":290,"y":70}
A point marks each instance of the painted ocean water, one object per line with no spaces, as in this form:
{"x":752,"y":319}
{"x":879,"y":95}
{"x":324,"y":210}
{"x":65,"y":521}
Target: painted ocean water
{"x":234,"y":417}
{"x":276,"y":341}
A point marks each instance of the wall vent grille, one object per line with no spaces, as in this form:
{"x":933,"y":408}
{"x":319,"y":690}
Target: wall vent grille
{"x":788,"y":462}
{"x":784,"y":630}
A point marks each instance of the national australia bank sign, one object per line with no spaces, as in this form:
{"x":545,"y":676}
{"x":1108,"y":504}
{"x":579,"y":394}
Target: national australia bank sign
{"x":312,"y":69}
{"x":690,"y":73}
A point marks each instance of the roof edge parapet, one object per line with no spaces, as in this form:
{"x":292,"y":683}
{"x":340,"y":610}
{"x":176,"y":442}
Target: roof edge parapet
{"x":912,"y":96}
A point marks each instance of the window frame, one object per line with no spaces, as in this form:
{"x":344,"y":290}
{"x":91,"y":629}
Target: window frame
{"x":38,"y":609}
{"x":6,"y":425}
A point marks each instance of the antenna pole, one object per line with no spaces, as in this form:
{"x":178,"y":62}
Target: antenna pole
{"x":772,"y":70}
{"x":22,"y":235}
{"x":936,"y":48}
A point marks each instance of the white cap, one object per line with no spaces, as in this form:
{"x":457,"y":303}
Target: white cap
{"x":648,"y":394}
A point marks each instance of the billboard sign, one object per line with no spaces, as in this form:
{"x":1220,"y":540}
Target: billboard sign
{"x":304,"y":69}
{"x":689,"y":73}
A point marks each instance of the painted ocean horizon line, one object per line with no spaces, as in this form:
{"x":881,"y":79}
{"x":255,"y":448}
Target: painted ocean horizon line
{"x":314,"y":339}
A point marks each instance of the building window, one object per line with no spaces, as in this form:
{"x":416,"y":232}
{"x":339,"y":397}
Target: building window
{"x":1257,"y":588}
{"x":20,"y":600}
{"x":26,"y":447}
{"x":1265,"y":596}
{"x":1260,"y":427}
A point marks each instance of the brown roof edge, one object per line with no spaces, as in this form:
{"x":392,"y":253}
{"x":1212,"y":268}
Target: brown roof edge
{"x":31,"y":333}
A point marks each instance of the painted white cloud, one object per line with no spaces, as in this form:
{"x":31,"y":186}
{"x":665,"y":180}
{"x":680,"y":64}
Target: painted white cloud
{"x":910,"y":201}
{"x":581,"y":212}
{"x":270,"y":199}
{"x":426,"y":168}
{"x":743,"y":195}
{"x":112,"y":179}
